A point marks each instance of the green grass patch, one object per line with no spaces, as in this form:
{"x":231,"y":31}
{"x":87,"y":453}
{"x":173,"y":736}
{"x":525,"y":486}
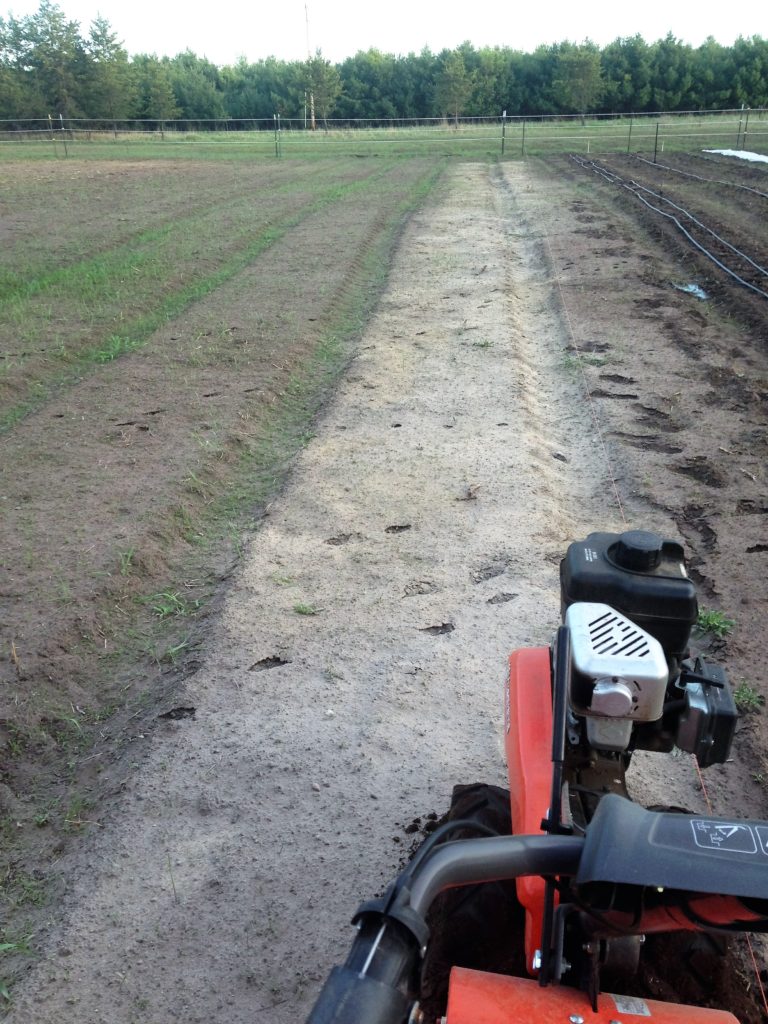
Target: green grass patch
{"x":301,"y":608}
{"x":170,"y":603}
{"x":97,"y":283}
{"x":139,"y":611}
{"x":19,"y":889}
{"x":263,"y":466}
{"x":17,"y":944}
{"x":714,"y":623}
{"x":76,"y":813}
{"x":12,"y":944}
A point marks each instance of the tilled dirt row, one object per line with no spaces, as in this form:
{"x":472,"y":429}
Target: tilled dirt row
{"x":678,"y":388}
{"x":125,"y":200}
{"x":707,"y":206}
{"x":107,"y":484}
{"x":681,"y":388}
{"x":125,"y":493}
{"x":356,"y":672}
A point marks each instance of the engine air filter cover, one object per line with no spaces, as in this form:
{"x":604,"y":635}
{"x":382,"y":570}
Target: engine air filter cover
{"x":619,"y":669}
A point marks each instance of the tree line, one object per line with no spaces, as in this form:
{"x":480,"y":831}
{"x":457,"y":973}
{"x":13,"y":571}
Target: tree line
{"x":48,"y":66}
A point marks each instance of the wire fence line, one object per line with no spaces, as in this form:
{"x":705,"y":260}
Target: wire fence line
{"x":303,"y":123}
{"x":506,"y":135}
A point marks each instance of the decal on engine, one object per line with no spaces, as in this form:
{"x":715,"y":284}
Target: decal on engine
{"x":733,"y":836}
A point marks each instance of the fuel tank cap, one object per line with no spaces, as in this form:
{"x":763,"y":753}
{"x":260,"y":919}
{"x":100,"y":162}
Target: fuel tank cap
{"x":638,"y":550}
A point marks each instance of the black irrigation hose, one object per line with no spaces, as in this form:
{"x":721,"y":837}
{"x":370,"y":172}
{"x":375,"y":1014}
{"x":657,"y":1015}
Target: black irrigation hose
{"x":699,"y":177}
{"x":681,"y":209}
{"x":616,"y":180}
{"x":633,"y":186}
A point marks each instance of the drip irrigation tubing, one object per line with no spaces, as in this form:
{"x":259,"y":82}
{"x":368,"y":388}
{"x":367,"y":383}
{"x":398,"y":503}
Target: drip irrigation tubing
{"x":699,"y":177}
{"x":635,"y":188}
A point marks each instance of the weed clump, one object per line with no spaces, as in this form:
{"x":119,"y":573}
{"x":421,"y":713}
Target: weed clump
{"x":714,"y":623}
{"x":747,"y":698}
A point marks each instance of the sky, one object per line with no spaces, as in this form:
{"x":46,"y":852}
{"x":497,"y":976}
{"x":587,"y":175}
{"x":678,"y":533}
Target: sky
{"x":229,"y":29}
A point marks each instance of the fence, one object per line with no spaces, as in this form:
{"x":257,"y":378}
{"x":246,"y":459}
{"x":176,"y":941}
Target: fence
{"x":500,"y":136}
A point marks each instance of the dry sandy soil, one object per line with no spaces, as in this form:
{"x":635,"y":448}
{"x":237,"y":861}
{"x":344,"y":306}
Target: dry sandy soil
{"x":530,"y":374}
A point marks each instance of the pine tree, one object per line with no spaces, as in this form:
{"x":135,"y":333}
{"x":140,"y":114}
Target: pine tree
{"x":111,"y":89}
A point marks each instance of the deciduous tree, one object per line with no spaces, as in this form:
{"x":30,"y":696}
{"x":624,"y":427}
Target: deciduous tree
{"x":453,"y":86}
{"x":580,"y":80}
{"x":323,"y":81}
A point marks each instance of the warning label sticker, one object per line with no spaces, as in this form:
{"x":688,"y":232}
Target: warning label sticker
{"x":631,"y":1005}
{"x":733,"y":836}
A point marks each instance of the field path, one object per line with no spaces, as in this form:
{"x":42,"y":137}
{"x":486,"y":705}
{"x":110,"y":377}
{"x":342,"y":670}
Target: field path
{"x":356,"y":672}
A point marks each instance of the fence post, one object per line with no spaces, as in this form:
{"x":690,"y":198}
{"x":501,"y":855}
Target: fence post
{"x":656,"y":144}
{"x":746,"y":125}
{"x":523,"y":136}
{"x":503,"y":129}
{"x":63,"y":135}
{"x":738,"y":130}
{"x":629,"y":137}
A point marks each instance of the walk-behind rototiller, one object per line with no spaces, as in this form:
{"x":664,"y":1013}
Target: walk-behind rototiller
{"x":595,"y":873}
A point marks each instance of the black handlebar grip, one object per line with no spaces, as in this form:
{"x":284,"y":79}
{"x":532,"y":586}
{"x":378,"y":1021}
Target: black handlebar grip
{"x":352,"y":998}
{"x":379,"y":980}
